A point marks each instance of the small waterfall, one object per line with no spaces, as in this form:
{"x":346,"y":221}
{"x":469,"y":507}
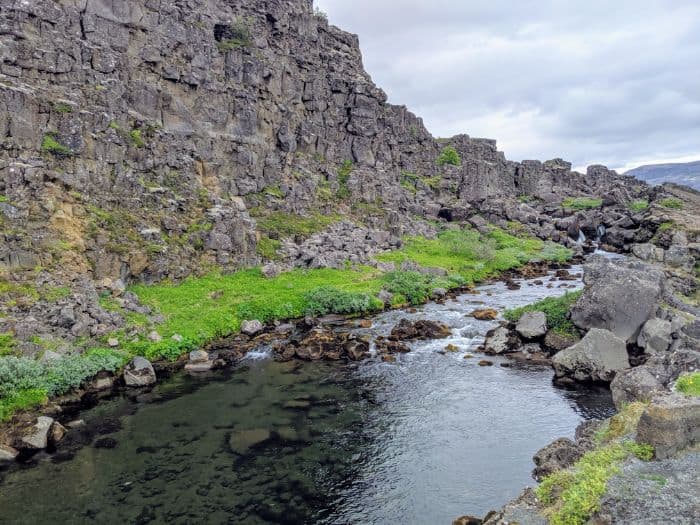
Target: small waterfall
{"x":599,"y":233}
{"x":581,"y":238}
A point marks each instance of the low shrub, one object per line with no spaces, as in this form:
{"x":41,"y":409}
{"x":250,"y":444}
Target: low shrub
{"x":555,"y":308}
{"x":415,"y":287}
{"x":448,"y":155}
{"x":50,"y":144}
{"x":638,"y":205}
{"x":330,"y":300}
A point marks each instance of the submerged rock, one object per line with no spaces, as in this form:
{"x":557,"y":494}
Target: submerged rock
{"x":421,"y":329}
{"x":241,"y":441}
{"x":597,"y":357}
{"x":139,"y":372}
{"x":500,"y":341}
{"x":532,"y":325}
{"x":484,"y":314}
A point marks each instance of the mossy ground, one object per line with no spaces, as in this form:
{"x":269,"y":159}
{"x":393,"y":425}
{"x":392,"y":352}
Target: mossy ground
{"x":689,"y":384}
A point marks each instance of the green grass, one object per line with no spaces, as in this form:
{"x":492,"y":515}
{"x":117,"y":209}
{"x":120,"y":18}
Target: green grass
{"x":7,"y":344}
{"x":3,"y":198}
{"x":62,"y":107}
{"x":638,"y":205}
{"x":282,"y":224}
{"x":136,"y":138}
{"x":448,"y":155}
{"x":472,"y":256}
{"x":267,"y":248}
{"x":671,"y":203}
{"x":555,"y":308}
{"x":689,"y":384}
{"x":571,"y":496}
{"x":50,"y":144}
{"x":21,"y":400}
{"x":581,"y":203}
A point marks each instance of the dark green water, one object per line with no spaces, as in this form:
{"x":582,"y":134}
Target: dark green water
{"x":419,"y":441}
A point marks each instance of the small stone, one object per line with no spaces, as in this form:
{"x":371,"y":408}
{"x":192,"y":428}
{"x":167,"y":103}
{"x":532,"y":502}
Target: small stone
{"x":177,"y":337}
{"x":388,"y":358}
{"x":484,"y":314}
{"x":7,"y":454}
{"x":76,"y":423}
{"x":106,"y":442}
{"x":199,"y":367}
{"x":38,"y":439}
{"x":468,"y":356}
{"x":155,"y":337}
{"x":451,"y":348}
{"x":113,"y":342}
{"x":485,"y":362}
{"x":199,"y":356}
{"x":56,"y":433}
{"x":139,"y":372}
{"x":251,"y":328}
{"x":365,"y":323}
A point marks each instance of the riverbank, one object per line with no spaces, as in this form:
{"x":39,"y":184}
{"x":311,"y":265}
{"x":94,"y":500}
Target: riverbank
{"x":166,"y":321}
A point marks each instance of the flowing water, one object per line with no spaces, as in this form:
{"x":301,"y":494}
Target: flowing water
{"x":421,"y":441}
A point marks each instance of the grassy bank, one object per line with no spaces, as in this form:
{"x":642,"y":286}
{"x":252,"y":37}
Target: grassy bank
{"x":201,"y":309}
{"x":572,"y":496}
{"x":555,"y":308}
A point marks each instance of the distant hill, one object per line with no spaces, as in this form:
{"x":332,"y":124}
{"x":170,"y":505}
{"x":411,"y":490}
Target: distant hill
{"x":687,"y":173}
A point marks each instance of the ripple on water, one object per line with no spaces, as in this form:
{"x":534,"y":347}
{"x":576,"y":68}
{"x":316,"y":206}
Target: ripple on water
{"x":422,"y":440}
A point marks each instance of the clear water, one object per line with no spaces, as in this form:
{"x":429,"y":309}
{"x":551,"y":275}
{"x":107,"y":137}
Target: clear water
{"x":422,"y":440}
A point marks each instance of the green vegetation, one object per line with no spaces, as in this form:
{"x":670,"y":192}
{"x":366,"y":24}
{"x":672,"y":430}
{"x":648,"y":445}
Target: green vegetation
{"x":280,"y":224}
{"x":25,"y":382}
{"x":3,"y":198}
{"x":7,"y":344}
{"x":331,"y":300}
{"x":415,"y":288}
{"x":237,"y":36}
{"x":671,"y":203}
{"x":555,"y":308}
{"x":472,"y":256}
{"x":136,"y":138}
{"x":449,"y":155}
{"x":274,"y":191}
{"x":581,"y":203}
{"x":526,"y":198}
{"x":318,"y":13}
{"x":665,"y":226}
{"x":638,"y":205}
{"x":62,"y":107}
{"x":267,"y":248}
{"x":571,"y":496}
{"x":344,"y":172}
{"x":689,"y":384}
{"x":50,"y":144}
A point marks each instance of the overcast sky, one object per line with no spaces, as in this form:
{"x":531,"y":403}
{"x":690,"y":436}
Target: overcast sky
{"x":614,"y":82}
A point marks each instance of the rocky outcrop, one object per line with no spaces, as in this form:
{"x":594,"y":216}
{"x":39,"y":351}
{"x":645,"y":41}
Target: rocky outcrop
{"x":597,"y":357}
{"x":558,"y":455}
{"x":421,"y":329}
{"x":532,"y":325}
{"x":619,"y":296}
{"x":670,"y":423}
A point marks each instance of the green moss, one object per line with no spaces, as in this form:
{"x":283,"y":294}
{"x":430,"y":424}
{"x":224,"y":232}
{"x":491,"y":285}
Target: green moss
{"x":50,"y":144}
{"x":137,"y":138}
{"x":238,"y":36}
{"x":671,"y":203}
{"x":432,"y":182}
{"x":3,"y":198}
{"x":267,"y":248}
{"x":7,"y":344}
{"x":62,"y":107}
{"x":280,"y":224}
{"x":638,"y":205}
{"x":689,"y":384}
{"x":21,"y":400}
{"x":344,"y":172}
{"x":274,"y":191}
{"x":666,"y":226}
{"x":573,"y":495}
{"x":555,"y":308}
{"x":448,"y":155}
{"x":581,"y":203}
{"x":622,"y":424}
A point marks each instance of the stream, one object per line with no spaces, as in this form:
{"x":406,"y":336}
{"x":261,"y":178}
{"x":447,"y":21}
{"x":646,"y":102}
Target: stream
{"x":423,"y":440}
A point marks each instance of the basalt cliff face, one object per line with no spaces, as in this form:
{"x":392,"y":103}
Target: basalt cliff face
{"x":148,"y":140}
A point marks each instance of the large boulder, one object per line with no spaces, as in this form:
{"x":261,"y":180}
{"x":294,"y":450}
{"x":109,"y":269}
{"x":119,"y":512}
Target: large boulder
{"x":655,"y":336}
{"x":532,"y":325}
{"x":251,"y":327}
{"x":619,"y":296}
{"x":139,"y":372}
{"x":7,"y":454}
{"x":421,"y":329}
{"x":634,"y":384}
{"x":670,"y":424}
{"x":499,"y":341}
{"x":596,"y":357}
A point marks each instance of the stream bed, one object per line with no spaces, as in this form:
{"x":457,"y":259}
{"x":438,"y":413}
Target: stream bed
{"x":422,"y":440}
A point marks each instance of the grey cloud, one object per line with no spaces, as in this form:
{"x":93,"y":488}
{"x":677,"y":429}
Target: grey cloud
{"x":591,"y":81}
